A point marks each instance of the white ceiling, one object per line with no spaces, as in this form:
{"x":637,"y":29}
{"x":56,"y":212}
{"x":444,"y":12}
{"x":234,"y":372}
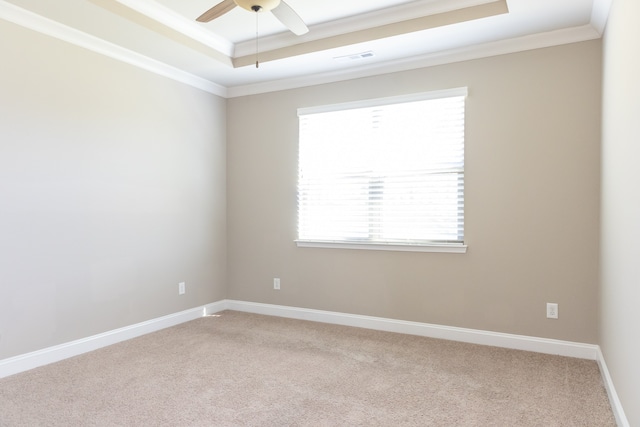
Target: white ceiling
{"x":219,"y":56}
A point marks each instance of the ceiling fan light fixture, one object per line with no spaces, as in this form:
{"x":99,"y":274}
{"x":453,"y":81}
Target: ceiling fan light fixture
{"x":263,"y":5}
{"x":279,"y":8}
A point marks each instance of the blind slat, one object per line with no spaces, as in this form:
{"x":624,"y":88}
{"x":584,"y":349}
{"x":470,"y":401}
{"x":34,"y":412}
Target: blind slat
{"x":386,"y":173}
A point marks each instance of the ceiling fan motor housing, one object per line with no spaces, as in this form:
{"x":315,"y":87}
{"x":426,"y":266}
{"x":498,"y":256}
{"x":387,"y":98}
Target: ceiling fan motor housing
{"x":260,"y":5}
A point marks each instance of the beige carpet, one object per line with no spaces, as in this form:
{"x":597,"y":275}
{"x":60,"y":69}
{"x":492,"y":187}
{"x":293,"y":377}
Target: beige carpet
{"x":237,"y":369}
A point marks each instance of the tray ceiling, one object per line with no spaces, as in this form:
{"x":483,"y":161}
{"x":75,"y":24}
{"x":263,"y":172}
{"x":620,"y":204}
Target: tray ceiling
{"x":347,"y":39}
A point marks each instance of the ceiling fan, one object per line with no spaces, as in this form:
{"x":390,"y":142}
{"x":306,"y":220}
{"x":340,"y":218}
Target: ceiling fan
{"x":279,"y":8}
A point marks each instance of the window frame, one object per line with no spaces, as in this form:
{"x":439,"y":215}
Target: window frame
{"x":457,"y":247}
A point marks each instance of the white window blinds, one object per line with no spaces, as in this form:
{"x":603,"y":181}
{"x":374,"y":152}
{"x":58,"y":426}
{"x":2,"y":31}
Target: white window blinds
{"x":385,"y":171}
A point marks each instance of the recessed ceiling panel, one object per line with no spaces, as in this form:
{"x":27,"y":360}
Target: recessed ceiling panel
{"x":396,"y":34}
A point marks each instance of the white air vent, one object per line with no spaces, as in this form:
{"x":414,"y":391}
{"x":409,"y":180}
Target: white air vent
{"x":354,"y":56}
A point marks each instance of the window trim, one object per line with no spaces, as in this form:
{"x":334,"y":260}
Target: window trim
{"x":455,"y":248}
{"x":420,"y":96}
{"x":382,"y":246}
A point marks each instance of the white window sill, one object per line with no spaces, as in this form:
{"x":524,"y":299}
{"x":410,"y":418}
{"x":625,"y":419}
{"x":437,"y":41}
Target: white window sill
{"x":445,"y":248}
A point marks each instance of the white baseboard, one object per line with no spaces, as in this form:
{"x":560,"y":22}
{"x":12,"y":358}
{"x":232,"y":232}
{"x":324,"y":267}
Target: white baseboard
{"x":616,"y":405}
{"x":53,"y":354}
{"x":24,"y":362}
{"x":473,"y":336}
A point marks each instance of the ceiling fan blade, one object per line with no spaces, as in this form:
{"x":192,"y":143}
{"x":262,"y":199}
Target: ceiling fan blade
{"x":290,"y":18}
{"x":216,"y":11}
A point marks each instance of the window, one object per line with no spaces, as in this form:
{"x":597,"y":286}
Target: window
{"x":384,"y":174}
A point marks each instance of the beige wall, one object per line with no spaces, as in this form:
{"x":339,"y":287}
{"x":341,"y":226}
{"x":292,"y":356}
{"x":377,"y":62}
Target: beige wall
{"x":532,"y":202}
{"x":112,"y":190}
{"x":620,"y":324}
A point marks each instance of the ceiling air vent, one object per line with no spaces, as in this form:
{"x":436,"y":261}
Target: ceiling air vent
{"x":354,"y":56}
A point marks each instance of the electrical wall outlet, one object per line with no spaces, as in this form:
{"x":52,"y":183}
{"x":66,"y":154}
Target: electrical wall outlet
{"x":181,"y":288}
{"x":552,"y":310}
{"x":276,"y":284}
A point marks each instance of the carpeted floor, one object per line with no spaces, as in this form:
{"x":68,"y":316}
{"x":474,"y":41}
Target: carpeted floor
{"x":239,"y":369}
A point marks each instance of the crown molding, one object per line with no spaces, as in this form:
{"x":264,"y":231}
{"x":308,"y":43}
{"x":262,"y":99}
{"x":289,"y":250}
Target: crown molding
{"x":35,"y":22}
{"x":179,"y":23}
{"x":502,"y":47}
{"x":600,"y":14}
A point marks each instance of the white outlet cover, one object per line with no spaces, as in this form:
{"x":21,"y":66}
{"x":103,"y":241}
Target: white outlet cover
{"x":552,"y":310}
